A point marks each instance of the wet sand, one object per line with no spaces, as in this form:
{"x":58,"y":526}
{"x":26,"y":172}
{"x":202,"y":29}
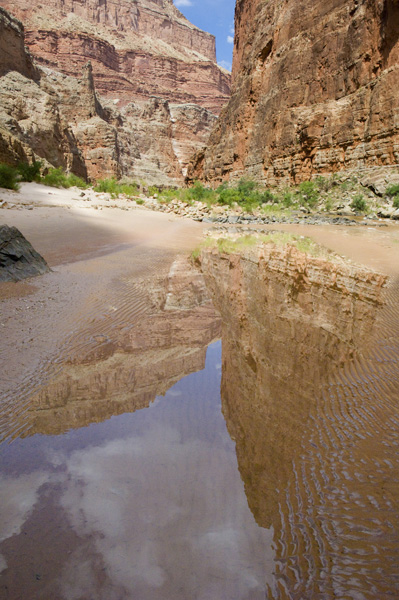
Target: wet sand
{"x":101,"y":263}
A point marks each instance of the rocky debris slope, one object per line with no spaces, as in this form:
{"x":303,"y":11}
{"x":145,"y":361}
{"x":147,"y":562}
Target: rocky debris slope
{"x":18,"y":258}
{"x":314,"y":91}
{"x":156,"y":74}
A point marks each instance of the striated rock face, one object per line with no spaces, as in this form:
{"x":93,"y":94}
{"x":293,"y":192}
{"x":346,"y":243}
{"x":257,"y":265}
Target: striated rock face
{"x":138,"y":48}
{"x":314,"y":91}
{"x":12,"y":50}
{"x":155,"y":71}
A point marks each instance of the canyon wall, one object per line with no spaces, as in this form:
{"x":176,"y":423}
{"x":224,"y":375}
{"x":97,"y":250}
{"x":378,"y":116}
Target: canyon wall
{"x":138,"y":48}
{"x":149,"y":102}
{"x":155,"y":76}
{"x":314,"y":91}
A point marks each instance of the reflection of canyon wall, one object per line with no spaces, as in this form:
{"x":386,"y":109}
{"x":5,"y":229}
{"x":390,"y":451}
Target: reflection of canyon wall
{"x":127,"y":374}
{"x":314,"y":91}
{"x":287,"y":321}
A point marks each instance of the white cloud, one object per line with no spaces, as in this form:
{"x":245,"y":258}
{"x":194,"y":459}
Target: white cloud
{"x":151,"y":509}
{"x":183,"y":3}
{"x":225,"y":64}
{"x":230,"y":39}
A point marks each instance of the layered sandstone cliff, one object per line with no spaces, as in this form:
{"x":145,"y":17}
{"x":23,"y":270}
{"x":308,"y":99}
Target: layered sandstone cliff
{"x":138,"y":48}
{"x":154,"y":72}
{"x":314,"y":91}
{"x":60,"y":118}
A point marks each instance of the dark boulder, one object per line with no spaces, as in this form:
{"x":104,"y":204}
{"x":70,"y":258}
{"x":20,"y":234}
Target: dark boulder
{"x":18,"y":258}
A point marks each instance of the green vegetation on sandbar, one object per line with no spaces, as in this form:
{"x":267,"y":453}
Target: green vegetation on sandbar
{"x":57,"y":178}
{"x":115,"y":188}
{"x":236,"y":245}
{"x":10,"y":177}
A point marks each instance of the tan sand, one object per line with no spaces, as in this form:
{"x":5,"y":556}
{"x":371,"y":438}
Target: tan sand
{"x":98,"y":259}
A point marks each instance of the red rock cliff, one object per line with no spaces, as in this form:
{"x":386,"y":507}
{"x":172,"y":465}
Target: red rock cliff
{"x":138,"y":48}
{"x":314,"y":91}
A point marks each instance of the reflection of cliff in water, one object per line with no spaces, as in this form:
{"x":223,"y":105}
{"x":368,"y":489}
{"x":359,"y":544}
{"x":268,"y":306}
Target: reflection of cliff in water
{"x":309,"y":393}
{"x":127,"y":373}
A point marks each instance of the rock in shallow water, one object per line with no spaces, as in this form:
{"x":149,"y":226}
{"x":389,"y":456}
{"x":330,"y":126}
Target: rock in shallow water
{"x":18,"y":258}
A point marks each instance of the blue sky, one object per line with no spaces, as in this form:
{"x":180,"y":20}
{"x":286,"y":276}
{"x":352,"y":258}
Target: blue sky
{"x":217,"y":17}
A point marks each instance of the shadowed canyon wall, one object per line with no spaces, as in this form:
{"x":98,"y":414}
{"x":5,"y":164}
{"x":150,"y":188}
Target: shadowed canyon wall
{"x":309,"y":393}
{"x":157,"y":75}
{"x":314,"y":91}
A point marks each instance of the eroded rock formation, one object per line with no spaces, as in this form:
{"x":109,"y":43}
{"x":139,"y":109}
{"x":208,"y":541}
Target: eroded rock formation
{"x":314,"y":91}
{"x":155,"y":73}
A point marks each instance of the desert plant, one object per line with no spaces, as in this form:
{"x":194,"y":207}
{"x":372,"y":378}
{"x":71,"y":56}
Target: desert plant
{"x":359,"y":203}
{"x":114,"y":187}
{"x":29,"y":172}
{"x":396,"y":201}
{"x":75,"y":181}
{"x":308,"y":193}
{"x":392,"y":190}
{"x":9,"y":177}
{"x":56,"y":178}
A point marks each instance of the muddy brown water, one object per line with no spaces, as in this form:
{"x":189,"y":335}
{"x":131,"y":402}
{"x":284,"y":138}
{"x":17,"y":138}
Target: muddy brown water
{"x":133,"y":464}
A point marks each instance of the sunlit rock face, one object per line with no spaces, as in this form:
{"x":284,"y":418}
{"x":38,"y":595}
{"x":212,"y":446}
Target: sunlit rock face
{"x":314,"y":91}
{"x":308,"y":392}
{"x":127,"y":374}
{"x":152,"y":69}
{"x":138,"y":49}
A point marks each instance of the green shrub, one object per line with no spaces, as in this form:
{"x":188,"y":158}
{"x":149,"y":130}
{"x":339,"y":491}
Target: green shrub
{"x":9,"y":177}
{"x":229,"y":196}
{"x":246,"y":187}
{"x":324,"y":184}
{"x":107,"y":186}
{"x":246,"y":194}
{"x":288,"y":199}
{"x":359,"y":203}
{"x":30,"y":172}
{"x":393,"y":190}
{"x":152,"y":190}
{"x":396,"y":202}
{"x":198,"y":193}
{"x":113,"y":187}
{"x":75,"y":181}
{"x":308,"y":193}
{"x":55,"y":178}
